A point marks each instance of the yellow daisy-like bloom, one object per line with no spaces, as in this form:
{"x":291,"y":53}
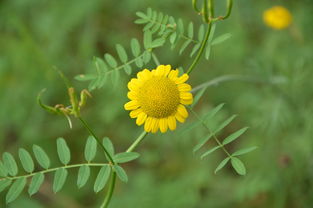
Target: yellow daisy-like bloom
{"x":158,"y":98}
{"x":277,"y":17}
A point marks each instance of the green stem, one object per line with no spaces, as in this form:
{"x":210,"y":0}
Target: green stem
{"x":54,"y":169}
{"x":203,"y":44}
{"x":137,"y":141}
{"x":108,"y":197}
{"x":98,"y":140}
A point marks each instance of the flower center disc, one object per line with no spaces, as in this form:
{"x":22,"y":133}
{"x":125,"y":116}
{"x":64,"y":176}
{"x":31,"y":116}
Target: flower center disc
{"x":159,"y":97}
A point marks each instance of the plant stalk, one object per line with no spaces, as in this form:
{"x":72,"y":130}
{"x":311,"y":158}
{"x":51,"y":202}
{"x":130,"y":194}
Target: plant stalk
{"x":203,"y":44}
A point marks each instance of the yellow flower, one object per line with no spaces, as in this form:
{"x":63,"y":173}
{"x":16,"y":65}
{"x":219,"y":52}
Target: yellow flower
{"x":158,"y":98}
{"x":277,"y":17}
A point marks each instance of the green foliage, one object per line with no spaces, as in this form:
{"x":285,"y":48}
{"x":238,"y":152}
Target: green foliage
{"x":16,"y":183}
{"x":236,"y":163}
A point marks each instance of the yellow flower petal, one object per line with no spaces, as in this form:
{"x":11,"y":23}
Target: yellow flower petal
{"x":135,"y":113}
{"x":142,"y":117}
{"x":155,"y":125}
{"x":184,"y":87}
{"x":186,"y":102}
{"x":179,"y":118}
{"x":182,"y":79}
{"x":131,"y":105}
{"x":167,"y":69}
{"x":173,"y":74}
{"x":148,"y":124}
{"x":132,"y":95}
{"x":133,"y":84}
{"x":182,"y":111}
{"x":163,"y":125}
{"x":186,"y":95}
{"x":171,"y":122}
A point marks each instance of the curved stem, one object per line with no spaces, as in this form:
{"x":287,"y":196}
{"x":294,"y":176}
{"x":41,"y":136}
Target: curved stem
{"x":98,"y":140}
{"x":137,"y":141}
{"x":108,"y":197}
{"x":238,"y":77}
{"x":203,"y":44}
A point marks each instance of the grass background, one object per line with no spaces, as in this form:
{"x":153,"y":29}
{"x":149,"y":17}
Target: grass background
{"x":38,"y":35}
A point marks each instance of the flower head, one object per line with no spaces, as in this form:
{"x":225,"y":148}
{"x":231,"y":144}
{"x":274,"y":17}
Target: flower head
{"x":158,"y":98}
{"x":277,"y":17}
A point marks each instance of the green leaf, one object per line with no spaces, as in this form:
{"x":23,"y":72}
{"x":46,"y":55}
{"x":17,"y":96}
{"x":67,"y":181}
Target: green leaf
{"x":202,"y":142}
{"x":201,"y":33}
{"x":147,"y":39}
{"x":59,"y":179}
{"x":100,"y":65}
{"x":146,"y":57}
{"x":135,"y":46}
{"x":158,"y":42}
{"x":3,"y":170}
{"x":26,"y":160}
{"x":225,"y":123}
{"x":10,"y":164}
{"x":90,"y":149}
{"x":238,"y":166}
{"x":15,"y":190}
{"x":111,"y":60}
{"x":222,"y":164}
{"x":139,"y":62}
{"x":173,"y":37}
{"x":141,"y":15}
{"x":141,"y":21}
{"x":221,"y":38}
{"x":198,"y":97}
{"x":214,"y":111}
{"x":244,"y":151}
{"x":121,"y":53}
{"x":190,"y":30}
{"x":63,"y":151}
{"x":35,"y":184}
{"x":184,"y":46}
{"x":209,"y":151}
{"x":127,"y":69}
{"x":83,"y":175}
{"x":207,"y":52}
{"x":125,"y":157}
{"x":108,"y":145}
{"x":102,"y":178}
{"x":41,"y":157}
{"x":4,"y":184}
{"x":180,"y":26}
{"x":121,"y":173}
{"x":85,"y":77}
{"x":195,"y":49}
{"x":234,"y":135}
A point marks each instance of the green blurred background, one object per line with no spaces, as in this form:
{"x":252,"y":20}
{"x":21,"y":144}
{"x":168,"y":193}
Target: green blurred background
{"x":37,"y":36}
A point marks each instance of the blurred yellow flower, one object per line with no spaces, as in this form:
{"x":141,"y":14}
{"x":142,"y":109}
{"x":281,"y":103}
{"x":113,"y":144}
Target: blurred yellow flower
{"x":277,"y":17}
{"x":158,"y":98}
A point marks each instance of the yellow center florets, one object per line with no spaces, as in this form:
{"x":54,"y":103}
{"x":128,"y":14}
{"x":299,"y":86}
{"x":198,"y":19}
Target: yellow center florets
{"x":159,"y":97}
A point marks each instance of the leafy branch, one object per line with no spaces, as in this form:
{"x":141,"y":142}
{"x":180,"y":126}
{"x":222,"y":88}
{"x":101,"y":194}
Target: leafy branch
{"x":9,"y":169}
{"x":108,"y":66}
{"x":237,"y":164}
